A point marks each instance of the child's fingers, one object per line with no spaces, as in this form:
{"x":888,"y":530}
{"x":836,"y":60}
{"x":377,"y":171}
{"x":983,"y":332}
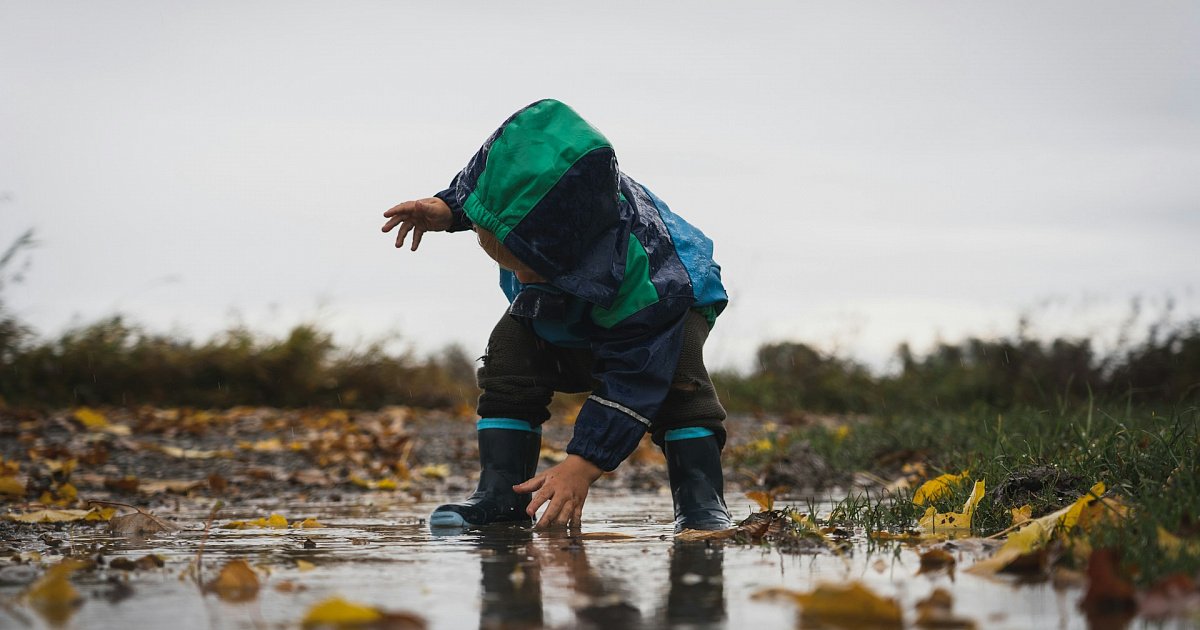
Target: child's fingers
{"x":405,"y":228}
{"x":392,"y":222}
{"x":556,"y":514}
{"x":577,"y":517}
{"x":417,"y":238}
{"x":532,"y":485}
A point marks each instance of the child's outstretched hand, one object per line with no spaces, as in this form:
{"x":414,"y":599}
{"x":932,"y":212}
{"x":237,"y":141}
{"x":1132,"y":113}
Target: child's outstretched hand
{"x":420,"y":216}
{"x":565,"y":486}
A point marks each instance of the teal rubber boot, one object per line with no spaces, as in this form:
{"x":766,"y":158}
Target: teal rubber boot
{"x":697,"y":483}
{"x":508,"y":455}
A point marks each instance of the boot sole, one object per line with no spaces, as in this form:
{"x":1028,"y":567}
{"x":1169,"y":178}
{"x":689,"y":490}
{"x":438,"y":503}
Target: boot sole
{"x":448,"y":519}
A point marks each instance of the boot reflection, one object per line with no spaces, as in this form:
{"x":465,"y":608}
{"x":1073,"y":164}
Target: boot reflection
{"x":697,"y":595}
{"x":511,"y":598}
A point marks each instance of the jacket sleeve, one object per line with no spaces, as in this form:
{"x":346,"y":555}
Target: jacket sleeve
{"x":460,"y":221}
{"x":635,"y":365}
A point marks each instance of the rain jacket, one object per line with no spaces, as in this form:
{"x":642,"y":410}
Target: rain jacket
{"x":622,"y":271}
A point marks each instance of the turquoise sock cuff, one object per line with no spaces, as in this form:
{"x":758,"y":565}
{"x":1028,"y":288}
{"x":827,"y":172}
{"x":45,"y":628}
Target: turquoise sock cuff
{"x":506,"y":423}
{"x":687,"y":434}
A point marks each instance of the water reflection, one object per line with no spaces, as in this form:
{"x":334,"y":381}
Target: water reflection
{"x":514,"y":563}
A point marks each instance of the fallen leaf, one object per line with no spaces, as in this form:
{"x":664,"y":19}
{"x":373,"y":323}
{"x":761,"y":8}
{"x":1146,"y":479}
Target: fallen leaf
{"x":937,"y":487}
{"x":237,"y":582}
{"x":102,"y":514}
{"x":1035,"y":533}
{"x":12,"y":486}
{"x":936,"y":559}
{"x":128,"y":483}
{"x":47,"y":515}
{"x":605,"y":536}
{"x":1108,"y":592}
{"x":339,"y":612}
{"x":765,"y":500}
{"x":308,"y":523}
{"x":141,"y":523}
{"x":168,"y":486}
{"x":1021,"y":514}
{"x":91,"y":419}
{"x":850,"y":604}
{"x":436,"y":471}
{"x":304,"y":566}
{"x":936,"y":611}
{"x":953,"y":522}
{"x":53,"y":596}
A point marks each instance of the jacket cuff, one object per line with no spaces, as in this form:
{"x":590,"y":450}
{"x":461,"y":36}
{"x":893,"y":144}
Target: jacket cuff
{"x":605,"y":436}
{"x":459,"y":221}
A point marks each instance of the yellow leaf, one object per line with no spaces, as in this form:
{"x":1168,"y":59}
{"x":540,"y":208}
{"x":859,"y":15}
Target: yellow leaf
{"x":937,"y":487}
{"x":764,"y":500}
{"x":336,"y":611}
{"x":305,"y":565}
{"x":1036,"y":533}
{"x":9,"y":468}
{"x":91,"y":419}
{"x":103,"y":514}
{"x":850,"y":604}
{"x":263,"y":446}
{"x":275,"y":522}
{"x":236,"y":582}
{"x":947,"y":522}
{"x":436,"y":471}
{"x":47,"y":515}
{"x":1172,"y":545}
{"x":52,"y":595}
{"x":1021,"y":514}
{"x":308,"y":523}
{"x":386,"y":484}
{"x":12,"y":485}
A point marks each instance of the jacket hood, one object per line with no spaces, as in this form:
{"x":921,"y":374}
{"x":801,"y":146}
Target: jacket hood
{"x":546,"y":183}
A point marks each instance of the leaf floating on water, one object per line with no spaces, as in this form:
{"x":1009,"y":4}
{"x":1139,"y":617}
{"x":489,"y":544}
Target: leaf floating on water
{"x":849,"y":605}
{"x":53,"y":596}
{"x":338,"y":612}
{"x":47,"y":515}
{"x":308,"y":523}
{"x":699,"y":534}
{"x":936,"y":559}
{"x":304,"y":566}
{"x":237,"y":582}
{"x":765,"y":500}
{"x":606,"y":536}
{"x":141,"y":523}
{"x":936,"y":611}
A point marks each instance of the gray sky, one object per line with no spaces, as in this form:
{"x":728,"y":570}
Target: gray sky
{"x":870,"y":172}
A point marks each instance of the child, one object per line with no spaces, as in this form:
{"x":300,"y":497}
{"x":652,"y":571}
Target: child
{"x":611,"y":293}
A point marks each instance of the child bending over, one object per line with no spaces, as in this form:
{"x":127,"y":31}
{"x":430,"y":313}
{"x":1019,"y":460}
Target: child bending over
{"x":610,"y":293}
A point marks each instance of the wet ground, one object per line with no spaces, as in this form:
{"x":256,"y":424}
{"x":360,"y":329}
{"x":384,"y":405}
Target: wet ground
{"x":380,"y":553}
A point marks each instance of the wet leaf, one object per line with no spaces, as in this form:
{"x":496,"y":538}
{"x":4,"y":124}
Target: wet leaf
{"x":936,"y":611}
{"x":936,"y":559}
{"x":339,"y":612}
{"x":128,"y":484}
{"x":308,"y":523}
{"x":262,"y":446}
{"x":953,"y":522}
{"x":937,"y":487}
{"x":605,"y":536}
{"x":12,"y":486}
{"x":91,"y":419}
{"x":765,"y":500}
{"x":436,"y":471}
{"x":1021,"y":514}
{"x":168,"y":486}
{"x":47,"y":515}
{"x":53,"y":596}
{"x":850,"y":604}
{"x":1174,"y":545}
{"x":274,"y":522}
{"x":305,"y":566}
{"x":1036,"y":533}
{"x":140,"y":523}
{"x":237,"y":582}
{"x":1108,"y":592}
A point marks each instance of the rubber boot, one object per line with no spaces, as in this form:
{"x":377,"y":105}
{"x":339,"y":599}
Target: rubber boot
{"x":697,"y":484}
{"x":507,"y":456}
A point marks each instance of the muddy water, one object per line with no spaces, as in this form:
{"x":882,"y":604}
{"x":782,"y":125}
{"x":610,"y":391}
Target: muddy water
{"x":382,"y":554}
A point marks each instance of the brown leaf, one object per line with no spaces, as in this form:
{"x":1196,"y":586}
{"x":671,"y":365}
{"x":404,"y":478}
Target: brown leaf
{"x":141,"y":564}
{"x":1108,"y":592}
{"x":237,"y":582}
{"x":936,"y":559}
{"x":936,"y":611}
{"x":850,"y":604}
{"x":141,"y":523}
{"x":53,"y":596}
{"x":127,"y":484}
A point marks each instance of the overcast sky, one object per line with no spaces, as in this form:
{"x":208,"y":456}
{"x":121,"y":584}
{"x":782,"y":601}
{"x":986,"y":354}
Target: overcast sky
{"x":870,"y":172}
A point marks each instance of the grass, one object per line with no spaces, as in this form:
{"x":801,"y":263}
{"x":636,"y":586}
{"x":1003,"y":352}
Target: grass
{"x":1149,"y":459}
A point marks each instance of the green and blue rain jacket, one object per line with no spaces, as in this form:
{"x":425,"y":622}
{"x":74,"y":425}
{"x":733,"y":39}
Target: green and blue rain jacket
{"x":621,"y":269}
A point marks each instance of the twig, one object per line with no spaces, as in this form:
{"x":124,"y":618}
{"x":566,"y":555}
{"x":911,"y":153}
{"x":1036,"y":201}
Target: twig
{"x":199,"y":562}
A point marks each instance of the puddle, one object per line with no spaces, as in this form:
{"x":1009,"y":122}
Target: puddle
{"x":383,"y":555}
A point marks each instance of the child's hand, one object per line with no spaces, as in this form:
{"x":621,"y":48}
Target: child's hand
{"x":565,"y":486}
{"x":420,"y":216}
